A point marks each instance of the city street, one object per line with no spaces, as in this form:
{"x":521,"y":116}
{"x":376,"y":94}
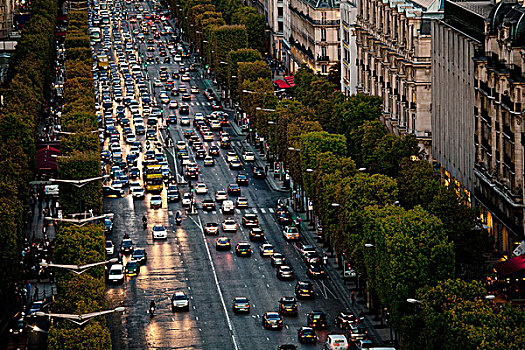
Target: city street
{"x":188,"y":261}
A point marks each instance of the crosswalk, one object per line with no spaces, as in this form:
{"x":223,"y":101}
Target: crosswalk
{"x":247,"y":211}
{"x":197,"y":103}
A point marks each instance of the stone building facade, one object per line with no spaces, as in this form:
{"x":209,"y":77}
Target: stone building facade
{"x":7,"y":9}
{"x":314,"y":34}
{"x":394,"y":62}
{"x":499,"y":131}
{"x":348,"y":47}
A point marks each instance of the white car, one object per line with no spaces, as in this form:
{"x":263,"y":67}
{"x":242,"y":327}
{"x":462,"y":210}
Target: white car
{"x":137,"y":192}
{"x":159,"y":232}
{"x":164,"y":98}
{"x":220,"y":196}
{"x":208,"y":136}
{"x":116,"y":273}
{"x":201,"y":188}
{"x":173,"y":105}
{"x":185,"y":120}
{"x":185,"y":160}
{"x":178,"y":58}
{"x":186,"y":199}
{"x":179,"y":300}
{"x":229,"y":225}
{"x":157,"y":83}
{"x":231,"y":156}
{"x":248,"y":156}
{"x":155,"y":202}
{"x":181,"y":145}
{"x":291,"y":233}
{"x":110,"y":248}
{"x":266,"y":250}
{"x":185,"y":77}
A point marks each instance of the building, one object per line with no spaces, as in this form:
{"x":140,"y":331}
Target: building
{"x":7,"y":10}
{"x":314,"y":34}
{"x":348,"y":47}
{"x":394,"y":62}
{"x":499,"y":82}
{"x":275,"y":20}
{"x":455,"y":39}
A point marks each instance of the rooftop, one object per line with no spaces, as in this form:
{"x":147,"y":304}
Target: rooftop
{"x":327,"y":4}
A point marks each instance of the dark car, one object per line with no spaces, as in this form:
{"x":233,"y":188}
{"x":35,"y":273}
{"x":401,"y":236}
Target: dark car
{"x":357,"y":332}
{"x":134,"y":173}
{"x":140,"y":255}
{"x":208,"y":204}
{"x":173,"y":193}
{"x":315,"y":271}
{"x":278,"y":259}
{"x":288,"y":306}
{"x":216,"y":106}
{"x":285,"y":272}
{"x":304,"y":289}
{"x":284,"y":217}
{"x":200,"y":154}
{"x":345,"y":319}
{"x":109,"y":191}
{"x":126,"y":246}
{"x":243,"y":249}
{"x":234,"y":190}
{"x":316,"y":319}
{"x":241,"y":305}
{"x":214,"y":151}
{"x":306,"y":335}
{"x":242,"y":180}
{"x":250,"y":220}
{"x":272,"y":320}
{"x":287,"y":347}
{"x":258,"y":173}
{"x":256,"y":234}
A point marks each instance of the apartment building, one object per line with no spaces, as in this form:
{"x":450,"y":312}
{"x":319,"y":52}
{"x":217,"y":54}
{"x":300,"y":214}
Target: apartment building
{"x":455,"y":40}
{"x":348,"y":47}
{"x":7,"y":9}
{"x":499,"y":81}
{"x":394,"y":62}
{"x":314,"y":34}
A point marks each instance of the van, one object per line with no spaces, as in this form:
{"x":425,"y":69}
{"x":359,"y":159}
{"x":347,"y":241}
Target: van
{"x":336,"y":342}
{"x":116,"y":273}
{"x":227,"y":206}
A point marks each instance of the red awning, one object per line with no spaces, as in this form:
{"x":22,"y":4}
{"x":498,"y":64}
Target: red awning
{"x":46,"y":158}
{"x":290,"y":80}
{"x":281,"y":84}
{"x":511,"y":266}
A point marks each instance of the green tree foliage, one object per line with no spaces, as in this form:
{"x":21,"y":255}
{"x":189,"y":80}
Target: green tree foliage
{"x":234,"y":58}
{"x":257,"y":93}
{"x":223,"y":40}
{"x":251,"y":71}
{"x":454,"y":314}
{"x":255,"y":26}
{"x":355,"y":110}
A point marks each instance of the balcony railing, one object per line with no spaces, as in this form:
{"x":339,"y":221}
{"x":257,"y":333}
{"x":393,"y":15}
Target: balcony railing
{"x":323,"y":58}
{"x":314,"y":21}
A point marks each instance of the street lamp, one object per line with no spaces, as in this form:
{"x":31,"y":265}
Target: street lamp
{"x":335,"y":205}
{"x":362,"y":169}
{"x":310,"y":170}
{"x":294,"y":149}
{"x":79,"y":183}
{"x":270,"y":122}
{"x":369,"y":245}
{"x":78,"y":269}
{"x":266,"y":110}
{"x":80,"y":319}
{"x":78,"y":222}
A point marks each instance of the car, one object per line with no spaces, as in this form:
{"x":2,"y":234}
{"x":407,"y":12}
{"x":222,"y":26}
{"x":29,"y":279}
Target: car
{"x":35,"y":306}
{"x":184,"y":120}
{"x":214,"y":151}
{"x":180,"y":301}
{"x":186,"y":199}
{"x":305,"y":249}
{"x":132,"y":268}
{"x":211,"y":228}
{"x":186,"y":97}
{"x":201,"y":154}
{"x":201,"y":188}
{"x":291,"y":233}
{"x":126,"y":246}
{"x":223,"y":243}
{"x":208,"y":204}
{"x":173,"y":193}
{"x":235,"y":164}
{"x":256,"y":234}
{"x":227,"y":207}
{"x":216,"y":105}
{"x":357,"y":331}
{"x":285,"y":272}
{"x":272,"y":320}
{"x":134,"y":173}
{"x":304,"y":289}
{"x":242,"y":179}
{"x":250,"y":220}
{"x":287,"y":347}
{"x":243,"y":249}
{"x":229,"y":225}
{"x":266,"y":250}
{"x":234,"y":190}
{"x":140,"y":255}
{"x":159,"y":232}
{"x":315,"y":271}
{"x":173,"y":105}
{"x":155,"y":202}
{"x":208,"y":136}
{"x":241,"y":305}
{"x":185,"y":77}
{"x":306,"y":335}
{"x":364,"y":344}
{"x":278,"y":259}
{"x":231,"y":156}
{"x":110,"y":248}
{"x":194,"y":90}
{"x":164,"y":98}
{"x":220,"y":196}
{"x":284,"y":217}
{"x":109,"y":191}
{"x":248,"y":156}
{"x":116,"y":273}
{"x":312,"y":258}
{"x":336,"y":342}
{"x":288,"y":306}
{"x":189,"y":133}
{"x":17,"y":326}
{"x":209,"y":161}
{"x":345,"y":319}
{"x":137,"y":192}
{"x":316,"y":319}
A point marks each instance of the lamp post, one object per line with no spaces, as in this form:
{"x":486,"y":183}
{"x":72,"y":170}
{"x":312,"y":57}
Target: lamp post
{"x":79,"y":184}
{"x":78,"y":269}
{"x":80,"y":319}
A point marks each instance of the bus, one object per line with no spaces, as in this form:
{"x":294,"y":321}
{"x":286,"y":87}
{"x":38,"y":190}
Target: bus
{"x":95,"y":35}
{"x":153,"y":178}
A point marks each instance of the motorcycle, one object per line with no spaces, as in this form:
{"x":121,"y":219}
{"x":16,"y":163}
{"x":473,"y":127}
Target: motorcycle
{"x":178,"y":218}
{"x":151,"y":310}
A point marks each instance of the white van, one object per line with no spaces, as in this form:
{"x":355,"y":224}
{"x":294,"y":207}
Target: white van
{"x":336,"y":342}
{"x":227,"y":207}
{"x":116,"y":273}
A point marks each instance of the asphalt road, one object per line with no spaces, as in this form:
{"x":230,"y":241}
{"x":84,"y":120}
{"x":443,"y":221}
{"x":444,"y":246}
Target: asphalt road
{"x":187,"y":261}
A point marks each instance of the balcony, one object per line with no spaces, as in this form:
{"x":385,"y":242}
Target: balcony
{"x":323,"y":58}
{"x":314,"y":21}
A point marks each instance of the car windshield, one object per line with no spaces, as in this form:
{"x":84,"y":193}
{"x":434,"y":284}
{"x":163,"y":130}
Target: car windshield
{"x":179,"y":297}
{"x":127,"y":243}
{"x":273,"y":316}
{"x":158,"y":228}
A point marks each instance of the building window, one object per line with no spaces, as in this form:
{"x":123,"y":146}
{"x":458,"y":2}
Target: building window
{"x":280,"y":26}
{"x":323,"y":17}
{"x":323,"y":51}
{"x":324,"y":69}
{"x":323,"y":34}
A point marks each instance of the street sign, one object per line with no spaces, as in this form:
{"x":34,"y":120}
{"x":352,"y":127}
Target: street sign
{"x":520,"y":250}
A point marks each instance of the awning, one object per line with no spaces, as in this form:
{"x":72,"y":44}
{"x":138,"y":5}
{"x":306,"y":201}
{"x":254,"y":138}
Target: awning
{"x":281,"y":84}
{"x":290,"y":80}
{"x":511,"y":266}
{"x":46,"y":158}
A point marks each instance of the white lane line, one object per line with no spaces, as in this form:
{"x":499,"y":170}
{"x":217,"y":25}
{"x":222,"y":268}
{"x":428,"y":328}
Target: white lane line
{"x":236,"y":347}
{"x":271,"y":210}
{"x":262,"y":210}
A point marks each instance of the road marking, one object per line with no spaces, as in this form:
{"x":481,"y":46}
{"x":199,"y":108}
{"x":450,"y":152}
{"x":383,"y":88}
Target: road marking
{"x":263,"y":211}
{"x":254,"y":210}
{"x":237,"y":211}
{"x":236,"y":347}
{"x":271,"y":210}
{"x":267,"y":285}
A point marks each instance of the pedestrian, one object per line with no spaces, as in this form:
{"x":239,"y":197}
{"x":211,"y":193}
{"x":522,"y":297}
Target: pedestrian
{"x":325,"y":259}
{"x":352,"y":296}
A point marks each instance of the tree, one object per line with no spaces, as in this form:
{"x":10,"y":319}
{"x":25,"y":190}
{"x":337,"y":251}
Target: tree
{"x":258,"y":94}
{"x":234,"y":58}
{"x":355,"y":110}
{"x":252,"y":71}
{"x":223,"y":40}
{"x":255,"y":26}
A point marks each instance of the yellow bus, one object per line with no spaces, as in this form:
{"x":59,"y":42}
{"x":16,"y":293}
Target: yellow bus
{"x":153,"y":178}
